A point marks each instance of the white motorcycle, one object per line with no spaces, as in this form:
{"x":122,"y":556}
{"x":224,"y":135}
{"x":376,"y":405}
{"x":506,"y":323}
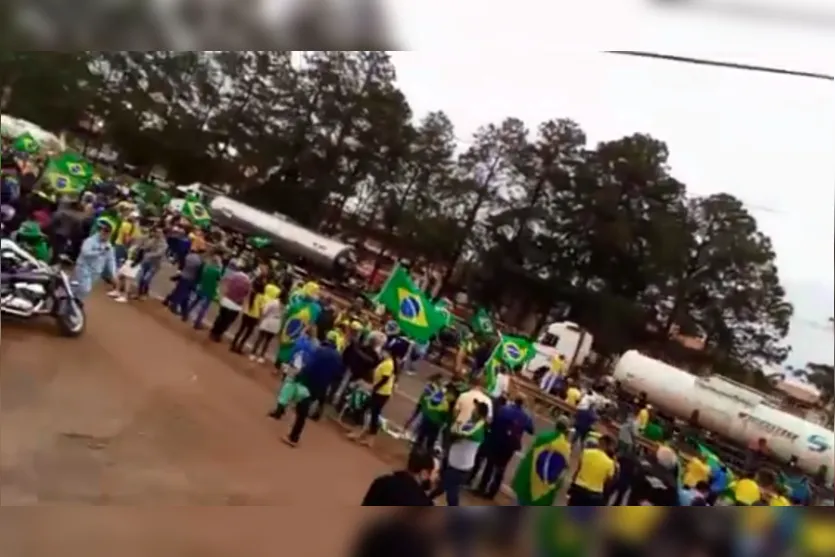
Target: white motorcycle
{"x":31,"y":288}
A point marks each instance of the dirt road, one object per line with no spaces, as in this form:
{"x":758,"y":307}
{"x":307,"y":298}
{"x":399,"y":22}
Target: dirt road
{"x":398,"y":409}
{"x":131,"y":415}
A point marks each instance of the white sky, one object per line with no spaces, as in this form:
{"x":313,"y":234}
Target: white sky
{"x":767,"y":139}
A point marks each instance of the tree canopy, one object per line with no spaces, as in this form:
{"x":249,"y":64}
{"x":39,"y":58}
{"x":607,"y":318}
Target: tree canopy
{"x":532,"y":221}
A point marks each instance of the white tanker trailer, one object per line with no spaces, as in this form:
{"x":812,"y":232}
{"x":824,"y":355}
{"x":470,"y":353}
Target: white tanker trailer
{"x":727,"y":408}
{"x":293,"y":239}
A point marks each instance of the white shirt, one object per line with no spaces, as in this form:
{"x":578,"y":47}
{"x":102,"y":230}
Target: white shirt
{"x":229,"y":304}
{"x":462,"y":454}
{"x":465,"y":405}
{"x":502,"y":385}
{"x":271,"y":317}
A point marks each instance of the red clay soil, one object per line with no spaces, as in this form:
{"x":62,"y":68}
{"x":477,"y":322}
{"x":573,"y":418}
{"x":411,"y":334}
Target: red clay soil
{"x":148,"y":422}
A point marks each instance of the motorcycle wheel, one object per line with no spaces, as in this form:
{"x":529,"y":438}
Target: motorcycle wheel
{"x":71,"y":318}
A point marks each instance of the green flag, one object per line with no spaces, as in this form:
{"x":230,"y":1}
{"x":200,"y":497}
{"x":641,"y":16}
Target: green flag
{"x":473,"y":430}
{"x":414,"y":312}
{"x":72,"y":165}
{"x":442,"y":307}
{"x":299,"y":316}
{"x":481,"y":323}
{"x":511,"y":351}
{"x":259,"y":242}
{"x":434,"y":404}
{"x":110,"y":216}
{"x":539,"y":474}
{"x":195,"y":212}
{"x":26,"y":143}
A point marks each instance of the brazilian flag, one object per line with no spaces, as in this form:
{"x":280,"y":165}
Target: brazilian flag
{"x":71,"y":165}
{"x":417,"y":316}
{"x":511,"y":351}
{"x":110,"y":216}
{"x":442,"y":307}
{"x":481,"y":323}
{"x":26,"y":143}
{"x":300,"y":315}
{"x":539,"y":474}
{"x":434,"y":404}
{"x":473,"y":430}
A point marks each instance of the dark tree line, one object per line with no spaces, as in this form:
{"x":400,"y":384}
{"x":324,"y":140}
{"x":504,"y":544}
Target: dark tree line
{"x":530,"y":220}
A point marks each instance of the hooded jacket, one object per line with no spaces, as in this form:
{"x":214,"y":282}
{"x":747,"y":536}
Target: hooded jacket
{"x":271,"y":310}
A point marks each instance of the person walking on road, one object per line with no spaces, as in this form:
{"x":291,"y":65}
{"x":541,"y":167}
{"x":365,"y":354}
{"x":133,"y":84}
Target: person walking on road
{"x":96,"y":259}
{"x":504,"y":438}
{"x":154,"y":246}
{"x":324,"y":367}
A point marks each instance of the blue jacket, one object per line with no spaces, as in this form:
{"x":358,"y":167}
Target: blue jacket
{"x":321,"y":370}
{"x":96,"y":257}
{"x":509,"y":425}
{"x":303,"y":346}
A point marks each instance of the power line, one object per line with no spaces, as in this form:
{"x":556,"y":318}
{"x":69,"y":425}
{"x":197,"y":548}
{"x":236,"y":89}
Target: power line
{"x":721,"y":64}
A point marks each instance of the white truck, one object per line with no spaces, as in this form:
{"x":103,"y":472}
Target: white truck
{"x":733,"y":410}
{"x":565,"y":338}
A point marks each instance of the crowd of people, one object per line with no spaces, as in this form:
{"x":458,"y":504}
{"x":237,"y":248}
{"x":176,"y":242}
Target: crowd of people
{"x":464,"y":433}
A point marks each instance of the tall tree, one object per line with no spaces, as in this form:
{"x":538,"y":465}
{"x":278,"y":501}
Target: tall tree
{"x":730,"y":287}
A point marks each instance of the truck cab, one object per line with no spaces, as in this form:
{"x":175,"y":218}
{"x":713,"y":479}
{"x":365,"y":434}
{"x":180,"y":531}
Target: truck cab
{"x":565,"y":338}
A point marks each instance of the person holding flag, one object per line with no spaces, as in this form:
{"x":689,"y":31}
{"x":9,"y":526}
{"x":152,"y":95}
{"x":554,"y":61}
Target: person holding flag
{"x":301,"y":315}
{"x":540,"y":474}
{"x":433,"y":411}
{"x":512,"y":352}
{"x":466,"y":437}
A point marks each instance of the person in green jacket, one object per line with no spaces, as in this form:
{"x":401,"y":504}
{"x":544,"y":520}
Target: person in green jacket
{"x":30,"y":237}
{"x":207,"y":289}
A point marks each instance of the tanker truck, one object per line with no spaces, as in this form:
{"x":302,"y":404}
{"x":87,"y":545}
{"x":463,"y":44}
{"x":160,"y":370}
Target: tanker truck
{"x":324,"y":253}
{"x":730,"y":409}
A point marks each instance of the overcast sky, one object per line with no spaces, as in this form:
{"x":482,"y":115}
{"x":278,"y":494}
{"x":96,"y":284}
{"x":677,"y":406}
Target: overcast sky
{"x":767,"y":139}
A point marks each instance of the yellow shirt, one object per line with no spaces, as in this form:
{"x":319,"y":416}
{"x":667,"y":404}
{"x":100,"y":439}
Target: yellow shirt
{"x":254,"y":309}
{"x":126,"y":231}
{"x":779,"y":501}
{"x":596,"y":468}
{"x":643,"y":418}
{"x":384,"y":369}
{"x":695,"y":472}
{"x":557,"y":365}
{"x":573,"y":396}
{"x":197,"y":242}
{"x":338,"y":339}
{"x":746,"y":491}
